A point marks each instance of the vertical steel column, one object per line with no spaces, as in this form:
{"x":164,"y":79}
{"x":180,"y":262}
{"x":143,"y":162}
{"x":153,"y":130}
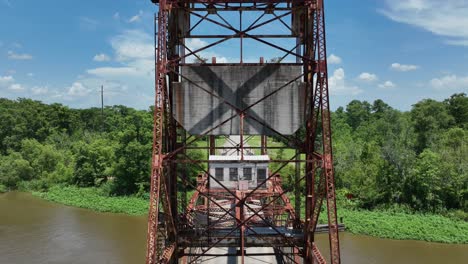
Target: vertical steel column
{"x":311,"y":126}
{"x":242,"y":135}
{"x":212,"y":138}
{"x":159,"y":190}
{"x":319,"y":118}
{"x":264,"y":145}
{"x":212,"y":145}
{"x":170,"y":124}
{"x":322,"y":86}
{"x":297,"y":188}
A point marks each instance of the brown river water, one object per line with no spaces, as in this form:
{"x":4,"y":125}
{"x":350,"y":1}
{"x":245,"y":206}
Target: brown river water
{"x":36,"y":231}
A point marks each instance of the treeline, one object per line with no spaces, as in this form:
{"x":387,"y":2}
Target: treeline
{"x":417,"y":159}
{"x":383,"y":157}
{"x":43,"y":145}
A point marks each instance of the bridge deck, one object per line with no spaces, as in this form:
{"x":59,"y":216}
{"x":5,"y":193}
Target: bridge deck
{"x":254,"y":237}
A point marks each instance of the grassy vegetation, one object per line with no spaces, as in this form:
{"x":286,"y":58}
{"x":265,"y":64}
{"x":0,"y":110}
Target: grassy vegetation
{"x":94,"y":199}
{"x":380,"y":223}
{"x":399,"y":222}
{"x":405,"y":226}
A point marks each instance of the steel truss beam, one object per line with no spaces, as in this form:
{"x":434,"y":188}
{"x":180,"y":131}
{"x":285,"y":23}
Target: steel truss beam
{"x":171,"y":217}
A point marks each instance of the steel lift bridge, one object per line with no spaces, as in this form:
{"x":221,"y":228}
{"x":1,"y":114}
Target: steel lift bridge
{"x":207,"y":100}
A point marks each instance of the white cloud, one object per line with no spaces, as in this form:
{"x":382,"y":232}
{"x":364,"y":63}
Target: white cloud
{"x":134,"y":50}
{"x":443,"y":18}
{"x":387,"y":85}
{"x":30,"y":74}
{"x":107,"y":72}
{"x":333,"y":59}
{"x":15,"y":56}
{"x":87,"y":23}
{"x":78,"y":89}
{"x":101,"y":57}
{"x":196,"y":43}
{"x":16,"y":87}
{"x":6,"y":80}
{"x":458,"y":42}
{"x":133,"y":45}
{"x":450,"y":82}
{"x":136,"y":18}
{"x":368,"y":77}
{"x":38,"y":90}
{"x":403,"y":67}
{"x":338,"y":85}
{"x":116,"y":16}
{"x":128,"y":81}
{"x":131,"y":91}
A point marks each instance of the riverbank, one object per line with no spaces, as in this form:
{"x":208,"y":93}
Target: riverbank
{"x":405,"y":226}
{"x":383,"y":224}
{"x":91,"y":198}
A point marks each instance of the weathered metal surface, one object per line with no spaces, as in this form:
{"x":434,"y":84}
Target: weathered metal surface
{"x":242,"y":99}
{"x":263,"y":237}
{"x":236,"y":88}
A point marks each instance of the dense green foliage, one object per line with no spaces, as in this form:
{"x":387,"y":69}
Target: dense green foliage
{"x":417,"y":158}
{"x":43,"y":145}
{"x":382,"y":156}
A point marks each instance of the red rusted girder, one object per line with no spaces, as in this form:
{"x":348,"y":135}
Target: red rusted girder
{"x":152,"y":255}
{"x":168,"y":220}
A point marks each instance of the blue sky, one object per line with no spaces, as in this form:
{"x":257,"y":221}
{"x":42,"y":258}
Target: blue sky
{"x":400,"y":51}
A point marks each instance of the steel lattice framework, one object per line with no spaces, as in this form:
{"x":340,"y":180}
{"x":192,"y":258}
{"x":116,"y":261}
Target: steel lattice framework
{"x":172,"y":223}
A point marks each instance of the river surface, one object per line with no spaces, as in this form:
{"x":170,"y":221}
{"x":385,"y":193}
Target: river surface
{"x":36,"y":231}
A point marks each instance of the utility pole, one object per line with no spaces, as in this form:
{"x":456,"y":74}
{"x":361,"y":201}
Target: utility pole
{"x":102,"y":108}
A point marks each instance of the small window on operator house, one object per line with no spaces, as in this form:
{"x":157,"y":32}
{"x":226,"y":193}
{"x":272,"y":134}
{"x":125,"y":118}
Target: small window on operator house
{"x":219,"y":174}
{"x":247,"y":174}
{"x":233,"y":174}
{"x":261,"y":175}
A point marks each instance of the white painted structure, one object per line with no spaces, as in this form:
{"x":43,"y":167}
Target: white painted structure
{"x":251,"y":171}
{"x":237,"y":173}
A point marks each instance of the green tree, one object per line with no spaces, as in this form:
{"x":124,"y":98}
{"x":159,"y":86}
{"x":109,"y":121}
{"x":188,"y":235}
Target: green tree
{"x":94,"y":162}
{"x":132,"y":167}
{"x":430,"y":118}
{"x":379,"y":108}
{"x":458,"y":108}
{"x":396,"y":138}
{"x":345,"y":149}
{"x":133,"y":153}
{"x":424,"y":187}
{"x":453,"y":150}
{"x":42,"y":158}
{"x":14,"y":169}
{"x":358,"y":112}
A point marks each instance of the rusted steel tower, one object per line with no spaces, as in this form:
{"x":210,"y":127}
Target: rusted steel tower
{"x":205,"y":100}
